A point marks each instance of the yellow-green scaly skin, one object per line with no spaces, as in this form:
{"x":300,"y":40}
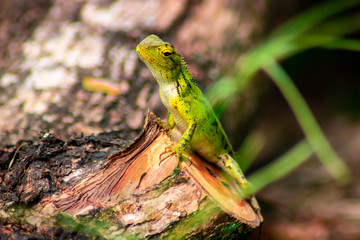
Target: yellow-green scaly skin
{"x":188,"y":109}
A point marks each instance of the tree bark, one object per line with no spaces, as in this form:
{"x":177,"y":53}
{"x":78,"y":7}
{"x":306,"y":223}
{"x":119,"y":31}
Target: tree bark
{"x":41,"y":86}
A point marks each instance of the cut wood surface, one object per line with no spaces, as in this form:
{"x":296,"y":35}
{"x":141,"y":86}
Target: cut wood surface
{"x":128,"y":181}
{"x":136,"y":194}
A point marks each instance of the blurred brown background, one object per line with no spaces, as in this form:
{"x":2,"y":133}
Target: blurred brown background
{"x":48,"y":47}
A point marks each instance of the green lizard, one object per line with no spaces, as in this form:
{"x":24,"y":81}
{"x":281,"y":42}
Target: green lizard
{"x":189,"y":110}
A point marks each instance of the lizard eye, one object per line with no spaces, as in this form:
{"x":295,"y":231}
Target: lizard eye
{"x":167,"y":53}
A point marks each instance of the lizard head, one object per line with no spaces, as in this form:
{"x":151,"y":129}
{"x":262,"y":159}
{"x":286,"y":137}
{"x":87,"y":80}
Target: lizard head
{"x":160,"y":57}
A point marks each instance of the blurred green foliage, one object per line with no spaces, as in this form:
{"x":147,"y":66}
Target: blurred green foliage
{"x":323,"y":26}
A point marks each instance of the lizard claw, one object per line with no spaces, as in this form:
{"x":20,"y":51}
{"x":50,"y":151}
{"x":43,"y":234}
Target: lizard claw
{"x":156,"y":118}
{"x":158,"y":121}
{"x":254,"y":204}
{"x":168,"y":152}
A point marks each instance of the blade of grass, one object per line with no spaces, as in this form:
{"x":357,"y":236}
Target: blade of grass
{"x":308,"y":19}
{"x":330,"y":42}
{"x":283,"y":43}
{"x":249,"y":149}
{"x":311,"y":129}
{"x":276,"y":44}
{"x":344,"y":44}
{"x":13,"y":158}
{"x":339,"y":26}
{"x":281,"y":166}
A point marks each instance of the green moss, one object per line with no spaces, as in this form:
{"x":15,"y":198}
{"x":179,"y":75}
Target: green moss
{"x":91,"y":229}
{"x":187,"y":227}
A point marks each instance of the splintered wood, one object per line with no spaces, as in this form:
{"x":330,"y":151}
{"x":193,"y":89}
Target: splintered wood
{"x":137,"y":171}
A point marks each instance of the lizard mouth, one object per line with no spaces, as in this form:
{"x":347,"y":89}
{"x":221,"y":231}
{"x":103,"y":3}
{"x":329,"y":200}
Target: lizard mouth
{"x":148,"y":58}
{"x":140,"y":52}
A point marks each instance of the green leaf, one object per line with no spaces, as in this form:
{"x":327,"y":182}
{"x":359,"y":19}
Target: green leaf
{"x":311,"y":129}
{"x":281,"y":166}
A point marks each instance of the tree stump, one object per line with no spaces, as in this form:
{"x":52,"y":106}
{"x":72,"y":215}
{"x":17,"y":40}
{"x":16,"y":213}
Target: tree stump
{"x":131,"y":194}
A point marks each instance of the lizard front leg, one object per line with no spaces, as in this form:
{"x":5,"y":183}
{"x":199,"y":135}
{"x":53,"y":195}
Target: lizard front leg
{"x":171,"y":122}
{"x":185,"y":139}
{"x":182,"y":145}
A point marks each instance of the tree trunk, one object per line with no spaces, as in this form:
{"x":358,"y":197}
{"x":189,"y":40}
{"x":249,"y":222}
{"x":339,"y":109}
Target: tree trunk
{"x":57,"y":44}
